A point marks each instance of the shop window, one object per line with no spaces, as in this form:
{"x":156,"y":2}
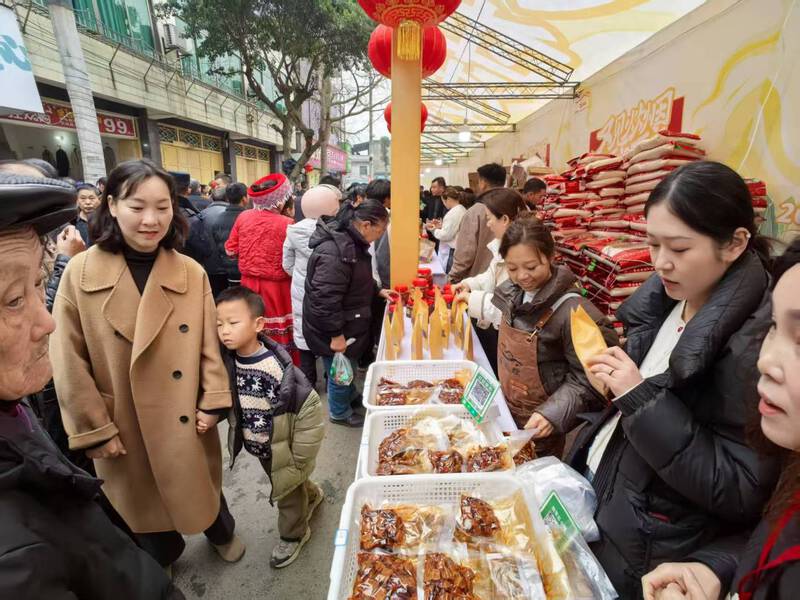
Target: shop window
{"x":212,"y":143}
{"x":363,"y":170}
{"x":168,"y":135}
{"x":190,"y":138}
{"x":263,"y":154}
{"x":238,"y":149}
{"x":250,"y":152}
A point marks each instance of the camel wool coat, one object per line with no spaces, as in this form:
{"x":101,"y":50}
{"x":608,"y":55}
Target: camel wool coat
{"x":139,"y":366}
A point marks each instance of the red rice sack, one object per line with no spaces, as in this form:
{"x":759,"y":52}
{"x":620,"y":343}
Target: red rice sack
{"x":664,"y":137}
{"x":657,"y":165}
{"x":604,"y":183}
{"x":642,"y":177}
{"x":645,"y":186}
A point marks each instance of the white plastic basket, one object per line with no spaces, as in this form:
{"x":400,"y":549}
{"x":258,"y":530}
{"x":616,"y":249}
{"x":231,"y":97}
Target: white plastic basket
{"x":379,"y":424}
{"x":403,"y":371}
{"x":421,"y":489}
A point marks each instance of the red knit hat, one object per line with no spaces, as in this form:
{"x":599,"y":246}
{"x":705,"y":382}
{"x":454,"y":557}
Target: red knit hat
{"x":270,"y":191}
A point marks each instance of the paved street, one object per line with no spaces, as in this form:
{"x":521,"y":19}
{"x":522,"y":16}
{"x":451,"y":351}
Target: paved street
{"x":201,"y":574}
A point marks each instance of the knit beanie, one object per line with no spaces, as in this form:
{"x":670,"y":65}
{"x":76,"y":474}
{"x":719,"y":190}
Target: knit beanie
{"x":270,"y":192}
{"x":320,"y":201}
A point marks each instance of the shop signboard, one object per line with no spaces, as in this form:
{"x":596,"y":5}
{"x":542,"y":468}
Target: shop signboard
{"x":56,"y":114}
{"x":16,"y":72}
{"x":337,"y":159}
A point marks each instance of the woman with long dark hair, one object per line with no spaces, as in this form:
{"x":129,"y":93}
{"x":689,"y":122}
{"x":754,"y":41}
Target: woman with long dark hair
{"x":769,"y":567}
{"x":138,"y":370}
{"x":674,"y":476}
{"x":339,"y":291}
{"x":503,"y":206}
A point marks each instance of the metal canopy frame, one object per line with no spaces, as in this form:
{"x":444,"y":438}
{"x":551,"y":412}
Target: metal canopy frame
{"x":474,"y":92}
{"x":451,"y":92}
{"x":506,"y":47}
{"x":472,"y":127}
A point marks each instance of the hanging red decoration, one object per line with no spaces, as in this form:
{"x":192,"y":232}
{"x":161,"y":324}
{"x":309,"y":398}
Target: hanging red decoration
{"x":409,"y":17}
{"x":387,"y":114}
{"x":434,"y":50}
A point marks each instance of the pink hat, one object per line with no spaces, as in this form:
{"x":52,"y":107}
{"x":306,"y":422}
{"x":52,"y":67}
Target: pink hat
{"x":322,"y":200}
{"x":270,"y":192}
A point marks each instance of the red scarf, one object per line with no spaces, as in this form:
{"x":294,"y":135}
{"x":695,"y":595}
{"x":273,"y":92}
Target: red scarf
{"x":750,"y":582}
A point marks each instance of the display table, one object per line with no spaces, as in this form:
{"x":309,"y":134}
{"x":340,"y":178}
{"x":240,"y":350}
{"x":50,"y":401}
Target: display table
{"x":504,"y":418}
{"x":437,"y":270}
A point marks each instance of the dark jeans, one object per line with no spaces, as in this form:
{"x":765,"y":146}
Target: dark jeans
{"x":308,"y":365}
{"x":167,"y":546}
{"x":339,"y":396}
{"x":488,"y":340}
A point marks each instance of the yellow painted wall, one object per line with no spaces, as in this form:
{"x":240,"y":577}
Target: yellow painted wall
{"x":249,"y":170}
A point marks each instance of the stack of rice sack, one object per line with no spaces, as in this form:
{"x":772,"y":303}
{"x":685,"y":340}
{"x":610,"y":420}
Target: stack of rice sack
{"x":615,"y":268}
{"x":605,"y":178}
{"x":650,"y":162}
{"x":758,"y":193}
{"x":563,"y":210}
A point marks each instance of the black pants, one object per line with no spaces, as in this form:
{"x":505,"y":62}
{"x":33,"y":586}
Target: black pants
{"x":488,"y":339}
{"x":167,"y":546}
{"x":308,"y":365}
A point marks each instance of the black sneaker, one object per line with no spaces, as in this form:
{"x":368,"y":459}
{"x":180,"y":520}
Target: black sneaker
{"x":354,"y":420}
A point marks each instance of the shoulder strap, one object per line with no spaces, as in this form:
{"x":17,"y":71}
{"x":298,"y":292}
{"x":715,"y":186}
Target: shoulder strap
{"x":546,"y":315}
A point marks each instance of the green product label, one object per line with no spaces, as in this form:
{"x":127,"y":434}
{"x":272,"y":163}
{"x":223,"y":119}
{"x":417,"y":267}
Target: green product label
{"x":480,"y":394}
{"x":559,"y":519}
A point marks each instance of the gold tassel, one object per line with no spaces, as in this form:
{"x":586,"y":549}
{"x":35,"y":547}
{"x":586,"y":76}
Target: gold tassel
{"x":409,"y":40}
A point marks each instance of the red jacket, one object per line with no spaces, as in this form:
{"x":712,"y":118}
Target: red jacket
{"x":257,"y":238}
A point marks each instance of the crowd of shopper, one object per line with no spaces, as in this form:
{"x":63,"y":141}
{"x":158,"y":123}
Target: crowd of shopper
{"x":173,"y":310}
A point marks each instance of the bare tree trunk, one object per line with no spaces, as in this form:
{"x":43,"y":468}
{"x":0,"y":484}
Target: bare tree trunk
{"x":326,"y":98}
{"x":79,"y":89}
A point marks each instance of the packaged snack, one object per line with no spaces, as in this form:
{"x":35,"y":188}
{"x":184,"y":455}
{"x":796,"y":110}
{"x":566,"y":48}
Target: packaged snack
{"x":521,"y":446}
{"x":385,"y":577}
{"x":510,"y":576}
{"x":588,"y":341}
{"x":476,"y":518}
{"x":445,"y":579}
{"x":403,"y":528}
{"x":381,"y":528}
{"x":484,"y":459}
{"x":446,"y":462}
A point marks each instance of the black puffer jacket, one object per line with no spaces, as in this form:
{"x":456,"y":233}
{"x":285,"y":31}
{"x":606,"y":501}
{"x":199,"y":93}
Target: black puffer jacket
{"x":677,"y":480}
{"x":781,"y":582}
{"x":339,"y":289}
{"x":217,"y":221}
{"x":55,"y":540}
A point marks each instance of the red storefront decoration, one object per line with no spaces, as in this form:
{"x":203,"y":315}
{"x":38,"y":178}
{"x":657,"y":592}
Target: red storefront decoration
{"x":434,"y":50}
{"x":409,"y":17}
{"x":60,"y":115}
{"x":337,"y":159}
{"x":387,"y":114}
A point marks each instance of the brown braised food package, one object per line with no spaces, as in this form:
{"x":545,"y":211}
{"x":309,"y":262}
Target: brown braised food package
{"x":446,"y":462}
{"x":483,"y":459}
{"x":525,"y":454}
{"x":477,"y":518}
{"x":402,"y":453}
{"x":451,"y":391}
{"x":384,"y":577}
{"x":381,"y":528}
{"x":445,"y":579}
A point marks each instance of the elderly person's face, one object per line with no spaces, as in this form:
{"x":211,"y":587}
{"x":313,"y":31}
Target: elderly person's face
{"x":25,"y":323}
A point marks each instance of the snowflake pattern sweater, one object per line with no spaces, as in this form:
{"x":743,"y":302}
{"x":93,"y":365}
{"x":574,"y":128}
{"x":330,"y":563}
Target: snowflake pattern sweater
{"x":258,"y":381}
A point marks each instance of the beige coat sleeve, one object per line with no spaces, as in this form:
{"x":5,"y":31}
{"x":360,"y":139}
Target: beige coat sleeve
{"x":215,"y":389}
{"x":309,"y":430}
{"x":466,"y":244}
{"x":83,"y":409}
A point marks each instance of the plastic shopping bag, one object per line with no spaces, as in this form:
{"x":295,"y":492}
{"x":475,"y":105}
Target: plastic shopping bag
{"x":341,"y":372}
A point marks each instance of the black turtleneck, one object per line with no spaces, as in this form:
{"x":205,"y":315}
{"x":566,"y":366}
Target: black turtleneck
{"x":140,"y":264}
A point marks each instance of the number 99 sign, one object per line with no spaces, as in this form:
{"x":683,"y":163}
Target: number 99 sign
{"x":116,"y":126}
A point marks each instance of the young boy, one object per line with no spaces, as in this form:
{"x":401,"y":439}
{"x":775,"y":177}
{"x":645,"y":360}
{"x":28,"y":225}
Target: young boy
{"x":277,"y":416}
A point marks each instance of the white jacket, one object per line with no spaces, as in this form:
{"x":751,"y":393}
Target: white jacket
{"x":482,"y":289}
{"x":295,"y":262}
{"x":450,"y":226}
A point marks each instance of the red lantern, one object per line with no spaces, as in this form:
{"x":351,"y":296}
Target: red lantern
{"x":409,"y":17}
{"x":434,"y":50}
{"x":387,"y":114}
